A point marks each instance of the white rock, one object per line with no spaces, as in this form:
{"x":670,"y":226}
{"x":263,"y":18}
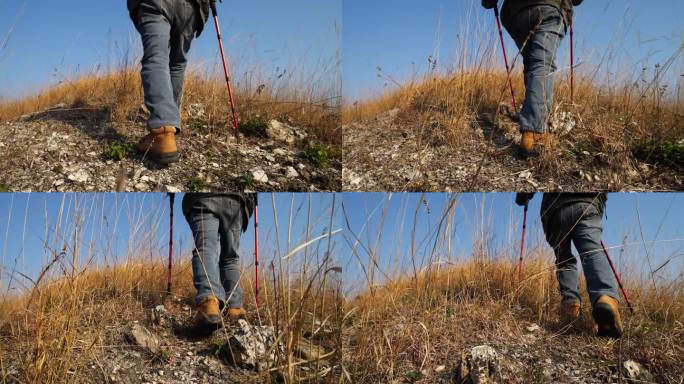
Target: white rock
{"x":635,"y":371}
{"x":281,"y":132}
{"x":253,"y":347}
{"x":480,"y":365}
{"x":292,"y":173}
{"x":80,"y":176}
{"x":259,"y":175}
{"x":524,"y":175}
{"x":172,"y":189}
{"x":533,"y":328}
{"x":301,"y":166}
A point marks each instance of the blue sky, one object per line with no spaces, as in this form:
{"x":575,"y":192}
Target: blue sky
{"x":657,"y":216}
{"x":118,"y":225}
{"x":51,"y":40}
{"x":399,"y":36}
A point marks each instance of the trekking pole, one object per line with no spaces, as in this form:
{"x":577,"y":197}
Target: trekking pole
{"x":572,"y":62}
{"x":617,"y":277}
{"x":172,"y":197}
{"x":522,"y":245}
{"x":256,"y":249}
{"x":226,"y":72}
{"x":503,"y":48}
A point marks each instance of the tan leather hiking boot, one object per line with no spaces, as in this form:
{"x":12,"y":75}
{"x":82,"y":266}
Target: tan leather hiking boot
{"x":208,"y":317}
{"x":607,"y":316}
{"x":235,"y":314}
{"x":529,"y":139}
{"x":160,"y":145}
{"x":570,"y":311}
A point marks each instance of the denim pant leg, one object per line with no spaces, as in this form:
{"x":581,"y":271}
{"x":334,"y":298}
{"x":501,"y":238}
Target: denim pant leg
{"x":229,"y":261}
{"x":205,"y":257}
{"x":167,"y":28}
{"x":587,"y":239}
{"x":538,"y":32}
{"x":154,"y":25}
{"x":567,"y":272}
{"x":183,"y":32}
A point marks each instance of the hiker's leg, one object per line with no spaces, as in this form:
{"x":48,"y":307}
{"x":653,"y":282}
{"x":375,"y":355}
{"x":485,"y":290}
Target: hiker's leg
{"x":539,"y":50}
{"x":587,"y":238}
{"x":183,"y":32}
{"x":205,"y":256}
{"x":231,"y":228}
{"x":153,"y":23}
{"x":555,"y":229}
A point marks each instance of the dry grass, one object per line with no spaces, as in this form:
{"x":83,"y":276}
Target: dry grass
{"x":441,"y":313}
{"x":71,"y":316}
{"x":311,"y":103}
{"x":421,"y":316}
{"x":613,"y":120}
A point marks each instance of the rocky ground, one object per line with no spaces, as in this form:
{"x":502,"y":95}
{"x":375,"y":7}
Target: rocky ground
{"x":80,"y":149}
{"x":393,"y":152}
{"x":492,"y":345}
{"x":162,"y":348}
{"x":449,"y":347}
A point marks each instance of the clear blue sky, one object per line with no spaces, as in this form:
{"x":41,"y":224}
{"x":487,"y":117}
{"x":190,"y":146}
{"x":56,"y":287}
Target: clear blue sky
{"x":118,"y":225}
{"x":501,"y":220}
{"x":51,"y":40}
{"x":399,"y":36}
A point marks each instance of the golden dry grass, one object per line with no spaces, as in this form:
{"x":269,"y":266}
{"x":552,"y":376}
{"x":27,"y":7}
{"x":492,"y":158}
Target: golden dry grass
{"x":310,"y":105}
{"x":442,"y":312}
{"x":60,"y":326}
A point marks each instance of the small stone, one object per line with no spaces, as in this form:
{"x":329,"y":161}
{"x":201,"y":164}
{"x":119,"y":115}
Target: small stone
{"x":172,"y":189}
{"x":480,"y":365}
{"x":79,"y":176}
{"x":144,"y":339}
{"x":259,"y":175}
{"x":533,"y":328}
{"x":253,"y":347}
{"x":635,"y":371}
{"x":440,"y":368}
{"x":524,"y":175}
{"x":292,"y":173}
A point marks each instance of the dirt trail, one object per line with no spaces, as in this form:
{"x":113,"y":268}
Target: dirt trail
{"x":393,"y":152}
{"x":69,"y":149}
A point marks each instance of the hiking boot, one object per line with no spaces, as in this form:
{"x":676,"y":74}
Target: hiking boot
{"x":570,"y":310}
{"x":235,"y":314}
{"x":160,"y":145}
{"x":529,"y":139}
{"x":208,"y":317}
{"x":607,"y":316}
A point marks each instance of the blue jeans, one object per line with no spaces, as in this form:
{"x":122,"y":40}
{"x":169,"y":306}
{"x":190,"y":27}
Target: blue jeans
{"x":537,"y":31}
{"x":167,"y":28}
{"x":216,"y":221}
{"x":579,"y":224}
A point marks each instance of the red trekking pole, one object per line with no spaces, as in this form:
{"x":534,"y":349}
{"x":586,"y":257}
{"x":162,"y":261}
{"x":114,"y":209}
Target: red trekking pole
{"x":522,"y":245}
{"x":226,"y":72}
{"x":256,"y":249}
{"x":617,"y":277}
{"x":172,"y":197}
{"x":503,"y":48}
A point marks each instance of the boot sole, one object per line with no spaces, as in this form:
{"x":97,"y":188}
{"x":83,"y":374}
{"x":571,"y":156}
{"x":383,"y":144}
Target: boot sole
{"x":603,"y":315}
{"x":164,"y":159}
